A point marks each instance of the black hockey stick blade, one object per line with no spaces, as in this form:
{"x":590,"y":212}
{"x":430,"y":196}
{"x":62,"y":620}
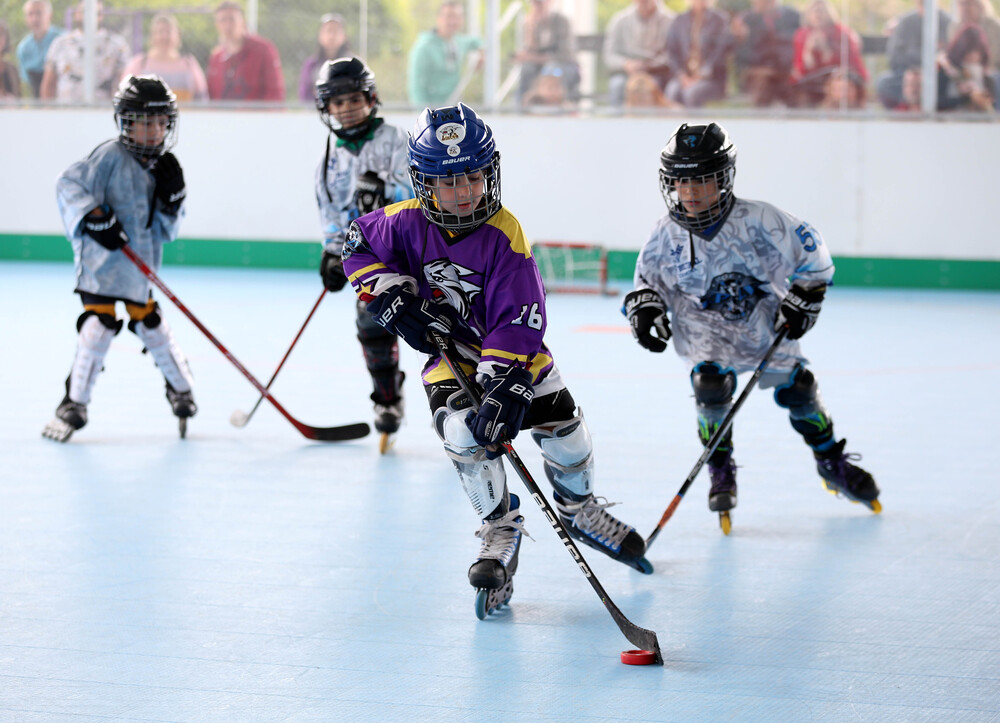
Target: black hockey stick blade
{"x":640,"y":637}
{"x":644,"y":639}
{"x":336,"y":434}
{"x":322,"y":434}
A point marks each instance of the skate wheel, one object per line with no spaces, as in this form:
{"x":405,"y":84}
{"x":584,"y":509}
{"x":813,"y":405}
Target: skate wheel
{"x":182,"y":424}
{"x":482,"y":600}
{"x":385,"y":442}
{"x":875,"y":506}
{"x":643,"y":565}
{"x":725,"y":522}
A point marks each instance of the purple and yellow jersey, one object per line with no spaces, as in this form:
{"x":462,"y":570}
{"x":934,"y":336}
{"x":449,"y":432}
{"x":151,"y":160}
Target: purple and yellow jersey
{"x":485,"y":280}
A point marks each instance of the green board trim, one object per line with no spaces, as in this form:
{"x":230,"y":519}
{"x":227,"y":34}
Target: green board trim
{"x":969,"y":274}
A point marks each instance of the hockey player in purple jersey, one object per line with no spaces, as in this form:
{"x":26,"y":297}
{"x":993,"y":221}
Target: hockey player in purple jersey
{"x":722,"y":275}
{"x":365,"y":168}
{"x":455,"y":260}
{"x":128,"y":190}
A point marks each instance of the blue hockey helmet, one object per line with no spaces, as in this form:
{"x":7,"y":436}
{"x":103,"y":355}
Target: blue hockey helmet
{"x":454,"y":143}
{"x":698,"y":154}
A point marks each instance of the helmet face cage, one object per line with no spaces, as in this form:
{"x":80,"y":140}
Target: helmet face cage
{"x":705,"y":217}
{"x":140,"y":100}
{"x":697,"y":155}
{"x":340,"y":77}
{"x":427,"y":189}
{"x":448,"y":145}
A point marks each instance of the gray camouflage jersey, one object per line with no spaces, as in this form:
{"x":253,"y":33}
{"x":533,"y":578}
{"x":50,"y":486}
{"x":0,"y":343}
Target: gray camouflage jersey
{"x":723,"y":294}
{"x":111,"y":176}
{"x":385,"y":154}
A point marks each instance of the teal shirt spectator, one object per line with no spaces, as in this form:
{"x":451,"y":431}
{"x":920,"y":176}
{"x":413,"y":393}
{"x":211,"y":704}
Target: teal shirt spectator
{"x":31,"y":57}
{"x":435,"y":67}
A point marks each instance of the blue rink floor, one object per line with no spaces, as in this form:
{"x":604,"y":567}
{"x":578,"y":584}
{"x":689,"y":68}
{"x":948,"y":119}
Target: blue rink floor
{"x":252,"y":575}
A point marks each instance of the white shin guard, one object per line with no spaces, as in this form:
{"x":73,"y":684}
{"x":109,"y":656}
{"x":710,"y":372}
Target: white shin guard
{"x":484,"y":480}
{"x":168,"y":357}
{"x":91,"y":347}
{"x":568,"y":452}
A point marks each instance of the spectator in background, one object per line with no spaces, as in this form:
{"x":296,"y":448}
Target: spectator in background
{"x":179,"y":70}
{"x":905,"y":51}
{"x":332,"y":45}
{"x":697,"y":46}
{"x":242,"y":66}
{"x":842,"y":91}
{"x":964,"y":81}
{"x":765,"y":49}
{"x":33,"y":46}
{"x":548,"y":44}
{"x":10,"y":84}
{"x":548,"y":89}
{"x":636,"y":42}
{"x":434,"y":73}
{"x":818,"y":51}
{"x":63,"y":76}
{"x":643,"y":91}
{"x":910,"y":98}
{"x":980,"y":13}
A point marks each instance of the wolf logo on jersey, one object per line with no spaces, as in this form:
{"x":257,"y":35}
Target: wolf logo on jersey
{"x":734,"y":295}
{"x":446,"y":280}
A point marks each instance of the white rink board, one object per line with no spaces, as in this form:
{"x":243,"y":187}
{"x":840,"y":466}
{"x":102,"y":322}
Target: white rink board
{"x":872,"y":187}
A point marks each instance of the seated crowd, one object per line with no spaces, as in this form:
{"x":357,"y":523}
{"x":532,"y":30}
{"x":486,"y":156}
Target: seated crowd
{"x":771,"y":55}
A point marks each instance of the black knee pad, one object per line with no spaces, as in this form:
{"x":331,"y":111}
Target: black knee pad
{"x":150,"y":320}
{"x":558,"y":406}
{"x":713,"y":385}
{"x":799,"y":391}
{"x":438,"y":393}
{"x":107,"y":320}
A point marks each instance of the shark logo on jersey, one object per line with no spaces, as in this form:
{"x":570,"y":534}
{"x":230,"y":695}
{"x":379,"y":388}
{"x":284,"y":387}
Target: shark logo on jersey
{"x":447,"y":280}
{"x":355,"y":240}
{"x":734,"y":295}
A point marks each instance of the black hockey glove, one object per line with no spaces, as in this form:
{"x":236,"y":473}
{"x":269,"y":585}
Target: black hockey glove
{"x":105,"y":230}
{"x":370,"y":194}
{"x":646,"y":312}
{"x":170,"y":188}
{"x":331,"y":268}
{"x":507,"y":398}
{"x":409,"y":317}
{"x":799,"y":310}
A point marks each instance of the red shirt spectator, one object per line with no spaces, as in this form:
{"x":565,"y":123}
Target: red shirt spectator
{"x":242,"y":66}
{"x":818,"y":53}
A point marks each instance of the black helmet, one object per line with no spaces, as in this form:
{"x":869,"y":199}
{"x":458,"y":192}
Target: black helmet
{"x":698,"y":154}
{"x":340,"y":76}
{"x":138,"y":98}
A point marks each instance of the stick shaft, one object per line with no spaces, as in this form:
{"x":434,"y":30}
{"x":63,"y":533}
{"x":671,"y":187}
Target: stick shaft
{"x":644,"y":639}
{"x":287,"y":353}
{"x":720,"y":432}
{"x":304,"y":429}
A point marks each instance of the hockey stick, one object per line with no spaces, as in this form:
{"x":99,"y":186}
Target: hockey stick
{"x":323,"y":434}
{"x":719,"y":434}
{"x":240,"y":418}
{"x":644,"y":639}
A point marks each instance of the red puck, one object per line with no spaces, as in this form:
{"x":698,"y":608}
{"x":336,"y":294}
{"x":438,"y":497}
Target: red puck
{"x":638,"y":657}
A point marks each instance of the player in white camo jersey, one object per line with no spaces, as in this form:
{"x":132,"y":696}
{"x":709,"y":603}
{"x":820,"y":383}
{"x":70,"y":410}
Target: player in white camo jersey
{"x":365,"y":167}
{"x":129,"y":190}
{"x":722,"y":275}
